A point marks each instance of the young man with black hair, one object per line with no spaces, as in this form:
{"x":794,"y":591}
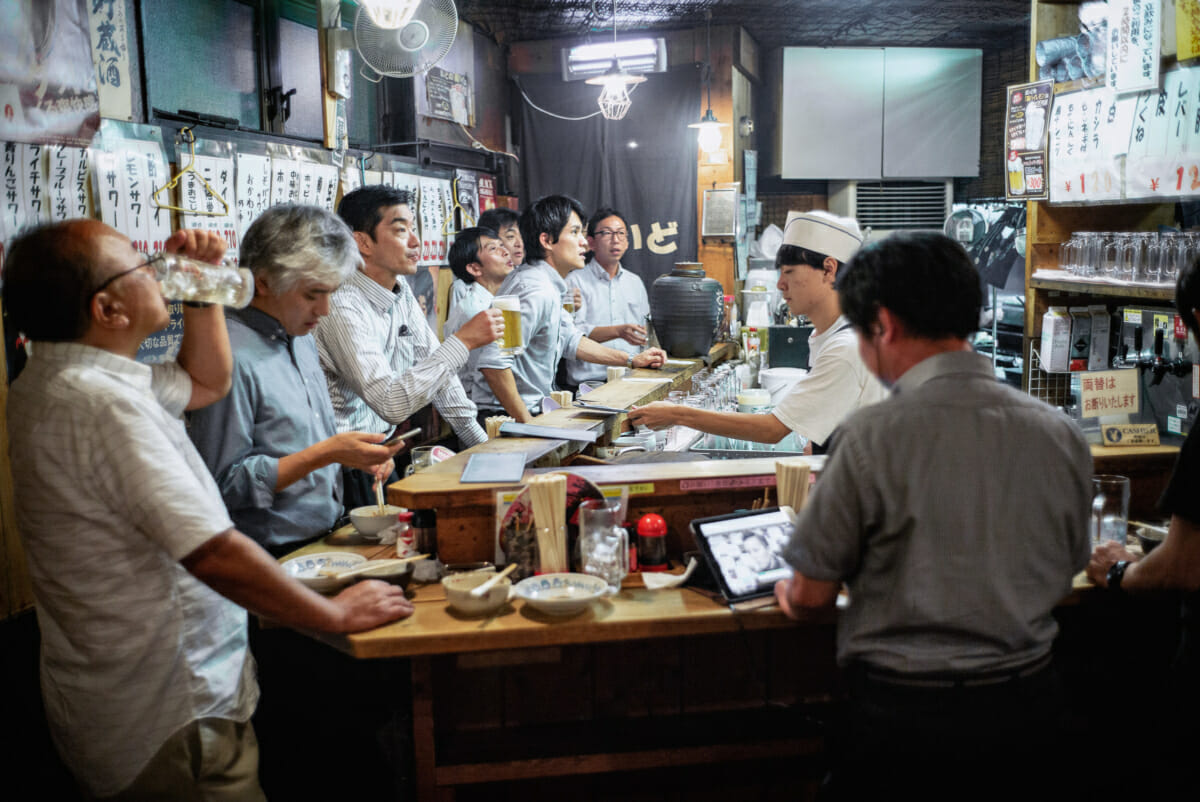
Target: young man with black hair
{"x":139,"y":574}
{"x":613,"y":301}
{"x":382,"y":360}
{"x":953,"y":571}
{"x":552,"y":230}
{"x":816,"y":247}
{"x":505,"y":222}
{"x":481,"y":262}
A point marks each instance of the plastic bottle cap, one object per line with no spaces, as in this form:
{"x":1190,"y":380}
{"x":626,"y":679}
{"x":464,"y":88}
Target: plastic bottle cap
{"x":652,"y":525}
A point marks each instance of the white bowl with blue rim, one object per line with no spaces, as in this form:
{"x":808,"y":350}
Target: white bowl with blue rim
{"x":308,"y":569}
{"x":560,"y":594}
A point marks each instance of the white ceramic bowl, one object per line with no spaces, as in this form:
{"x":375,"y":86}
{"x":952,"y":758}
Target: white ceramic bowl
{"x":309,"y":567}
{"x":561,"y":594}
{"x":368,"y":521}
{"x":458,"y":592}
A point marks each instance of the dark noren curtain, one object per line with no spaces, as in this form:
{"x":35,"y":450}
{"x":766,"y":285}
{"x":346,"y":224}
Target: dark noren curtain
{"x":643,"y":165}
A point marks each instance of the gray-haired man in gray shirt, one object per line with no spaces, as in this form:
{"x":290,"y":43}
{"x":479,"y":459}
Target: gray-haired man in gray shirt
{"x":956,"y":513}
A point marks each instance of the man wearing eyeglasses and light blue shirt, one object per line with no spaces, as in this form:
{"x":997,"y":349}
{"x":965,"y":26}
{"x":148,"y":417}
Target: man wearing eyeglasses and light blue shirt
{"x":614,"y":302}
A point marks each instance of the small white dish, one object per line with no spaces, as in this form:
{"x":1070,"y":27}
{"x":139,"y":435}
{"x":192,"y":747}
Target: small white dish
{"x":561,"y":594}
{"x":370,"y":522}
{"x":308,"y":569}
{"x":458,"y":589}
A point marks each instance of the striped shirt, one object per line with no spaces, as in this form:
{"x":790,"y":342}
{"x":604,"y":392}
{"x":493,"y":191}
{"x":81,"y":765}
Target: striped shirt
{"x":110,"y":496}
{"x":383,"y":362}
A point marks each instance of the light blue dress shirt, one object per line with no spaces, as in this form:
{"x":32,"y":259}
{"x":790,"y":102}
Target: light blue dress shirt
{"x":548,"y":331}
{"x":278,"y":405}
{"x":606,"y":302}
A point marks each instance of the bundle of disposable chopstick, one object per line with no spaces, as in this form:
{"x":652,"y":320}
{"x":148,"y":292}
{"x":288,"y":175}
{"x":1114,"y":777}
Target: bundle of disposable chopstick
{"x":548,"y":493}
{"x":492,"y":425}
{"x":562,"y":397}
{"x":791,"y":482}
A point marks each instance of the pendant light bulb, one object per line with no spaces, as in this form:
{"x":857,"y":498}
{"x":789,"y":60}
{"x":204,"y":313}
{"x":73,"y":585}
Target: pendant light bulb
{"x":614,"y":99}
{"x":709,"y":127}
{"x":390,"y":14}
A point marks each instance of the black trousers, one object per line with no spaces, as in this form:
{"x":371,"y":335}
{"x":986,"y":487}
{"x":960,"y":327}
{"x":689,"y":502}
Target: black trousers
{"x":997,"y":741}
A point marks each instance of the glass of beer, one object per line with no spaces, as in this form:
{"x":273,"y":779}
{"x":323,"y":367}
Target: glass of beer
{"x":568,"y":302}
{"x":511,"y":343}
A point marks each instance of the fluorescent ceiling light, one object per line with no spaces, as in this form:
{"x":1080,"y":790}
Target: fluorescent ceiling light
{"x":632,"y":55}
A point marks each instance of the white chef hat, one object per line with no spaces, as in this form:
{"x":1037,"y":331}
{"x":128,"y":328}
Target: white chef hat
{"x":824,"y":233}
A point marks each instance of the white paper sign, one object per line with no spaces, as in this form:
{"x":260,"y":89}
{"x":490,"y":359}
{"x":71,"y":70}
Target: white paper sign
{"x":327,"y":186}
{"x":1133,"y":45}
{"x":158,"y":173}
{"x":110,"y":53}
{"x":253,"y":189}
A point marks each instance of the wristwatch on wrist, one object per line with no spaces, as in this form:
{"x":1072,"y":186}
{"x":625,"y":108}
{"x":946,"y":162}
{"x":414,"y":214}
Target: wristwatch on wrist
{"x":1115,"y":574}
{"x":629,"y":362}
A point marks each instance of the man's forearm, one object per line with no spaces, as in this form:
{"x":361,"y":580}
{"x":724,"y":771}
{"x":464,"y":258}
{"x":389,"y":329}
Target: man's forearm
{"x":589,"y":350}
{"x":1174,"y":565}
{"x":602,"y":334}
{"x":504,"y":387}
{"x":205,"y":354}
{"x":295,"y":467}
{"x":237,"y":568}
{"x":759,"y":427}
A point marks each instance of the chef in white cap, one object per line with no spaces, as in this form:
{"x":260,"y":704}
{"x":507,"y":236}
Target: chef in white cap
{"x":815,"y":247}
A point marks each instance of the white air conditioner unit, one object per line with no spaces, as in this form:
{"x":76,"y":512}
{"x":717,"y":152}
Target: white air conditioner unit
{"x":634,"y":56}
{"x":882,"y":207}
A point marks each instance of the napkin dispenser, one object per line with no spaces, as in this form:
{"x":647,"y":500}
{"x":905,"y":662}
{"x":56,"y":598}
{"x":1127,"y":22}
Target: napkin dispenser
{"x":789,"y":346}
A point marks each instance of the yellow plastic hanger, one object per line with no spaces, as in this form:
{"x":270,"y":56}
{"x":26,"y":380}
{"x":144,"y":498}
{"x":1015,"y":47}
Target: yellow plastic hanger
{"x":187,"y":136}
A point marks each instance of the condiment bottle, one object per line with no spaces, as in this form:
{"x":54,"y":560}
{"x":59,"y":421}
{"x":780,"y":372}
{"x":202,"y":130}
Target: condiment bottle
{"x":652,"y":542}
{"x":424,"y":524}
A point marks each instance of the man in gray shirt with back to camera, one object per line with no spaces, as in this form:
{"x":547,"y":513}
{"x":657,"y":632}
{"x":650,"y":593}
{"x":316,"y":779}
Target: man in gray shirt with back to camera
{"x":956,"y":512}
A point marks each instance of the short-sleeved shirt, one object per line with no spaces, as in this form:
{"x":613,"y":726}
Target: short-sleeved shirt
{"x":278,"y":406}
{"x":474,"y":300}
{"x":837,"y":384}
{"x":383,"y":362}
{"x":957,"y":513}
{"x":547,"y":330}
{"x":607,"y":301}
{"x":110,"y":496}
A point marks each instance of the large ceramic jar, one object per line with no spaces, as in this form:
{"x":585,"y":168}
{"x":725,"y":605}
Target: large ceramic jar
{"x":686,"y":307}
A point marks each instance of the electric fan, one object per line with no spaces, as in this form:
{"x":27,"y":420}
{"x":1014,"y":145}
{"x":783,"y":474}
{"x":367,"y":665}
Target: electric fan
{"x":411,"y":49}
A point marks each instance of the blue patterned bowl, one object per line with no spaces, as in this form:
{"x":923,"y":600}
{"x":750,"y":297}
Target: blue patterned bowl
{"x":560,"y":594}
{"x":309,"y":567}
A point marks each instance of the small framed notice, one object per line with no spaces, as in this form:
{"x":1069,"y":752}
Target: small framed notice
{"x":720,"y":212}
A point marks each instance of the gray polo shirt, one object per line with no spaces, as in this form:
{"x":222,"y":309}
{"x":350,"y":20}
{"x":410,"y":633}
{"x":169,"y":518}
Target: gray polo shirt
{"x":956,"y":512}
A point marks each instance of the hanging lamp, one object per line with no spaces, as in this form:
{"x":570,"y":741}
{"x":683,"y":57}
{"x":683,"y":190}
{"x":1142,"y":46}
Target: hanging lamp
{"x":614,"y":98}
{"x":709,"y":126}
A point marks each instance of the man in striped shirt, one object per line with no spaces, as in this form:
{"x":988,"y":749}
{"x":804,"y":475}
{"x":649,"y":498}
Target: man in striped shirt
{"x":382,"y":360}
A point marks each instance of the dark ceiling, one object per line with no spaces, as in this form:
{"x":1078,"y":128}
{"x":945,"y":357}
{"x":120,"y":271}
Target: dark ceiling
{"x":986,"y":24}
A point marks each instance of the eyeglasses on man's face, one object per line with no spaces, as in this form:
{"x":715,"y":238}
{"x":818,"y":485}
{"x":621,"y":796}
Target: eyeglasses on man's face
{"x":147,"y":262}
{"x":608,"y":233}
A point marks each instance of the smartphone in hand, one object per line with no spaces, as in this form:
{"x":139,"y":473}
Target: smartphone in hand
{"x":398,"y":437}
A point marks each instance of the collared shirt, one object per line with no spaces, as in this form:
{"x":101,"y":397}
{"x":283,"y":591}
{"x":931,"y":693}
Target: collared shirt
{"x":474,"y":300}
{"x":957,"y":513}
{"x":383,"y":363}
{"x":547,"y":330}
{"x":457,"y":290}
{"x":607,"y":301}
{"x":837,"y":385}
{"x":278,"y":406}
{"x":110,"y":496}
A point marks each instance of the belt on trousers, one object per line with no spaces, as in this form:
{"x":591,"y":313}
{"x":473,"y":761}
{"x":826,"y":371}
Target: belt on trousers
{"x":944,"y":681}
